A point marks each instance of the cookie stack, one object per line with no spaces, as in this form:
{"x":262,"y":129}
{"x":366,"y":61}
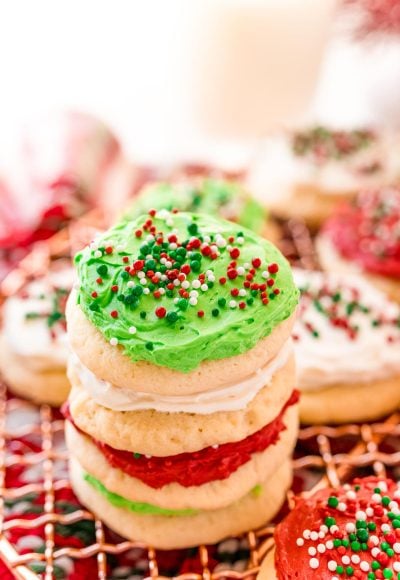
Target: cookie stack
{"x":182,"y":416}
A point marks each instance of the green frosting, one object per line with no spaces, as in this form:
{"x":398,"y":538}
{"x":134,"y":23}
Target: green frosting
{"x":176,"y":289}
{"x":215,"y":197}
{"x":144,"y":509}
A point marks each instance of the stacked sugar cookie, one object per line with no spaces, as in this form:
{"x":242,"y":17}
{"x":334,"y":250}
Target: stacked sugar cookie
{"x":182,"y":417}
{"x":33,"y":340}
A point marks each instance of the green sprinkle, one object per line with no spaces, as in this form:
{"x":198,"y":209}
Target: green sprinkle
{"x":195,"y":266}
{"x":182,"y":304}
{"x":375,"y":565}
{"x":362,"y":535}
{"x":371,"y":576}
{"x":396,"y":524}
{"x":386,"y":500}
{"x":387,"y":573}
{"x":221,"y":302}
{"x":102,"y":270}
{"x":137,"y":290}
{"x":339,"y":569}
{"x":94,"y":307}
{"x":361,"y":524}
{"x":355,"y":546}
{"x":149,"y":346}
{"x":333,"y":502}
{"x":372,"y":526}
{"x":349,"y":571}
{"x":345,"y":543}
{"x":172,"y":316}
{"x":143,"y":314}
{"x":337,"y":543}
{"x":193,"y":229}
{"x":137,"y":455}
{"x":124,"y":275}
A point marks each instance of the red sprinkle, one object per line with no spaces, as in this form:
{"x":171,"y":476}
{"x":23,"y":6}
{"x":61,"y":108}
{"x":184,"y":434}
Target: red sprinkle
{"x":109,"y":250}
{"x":152,"y":212}
{"x":114,"y":288}
{"x":232,"y":274}
{"x":99,"y":280}
{"x":222,"y":281}
{"x":235,"y":292}
{"x":200,"y":313}
{"x":273,"y":268}
{"x":125,"y":259}
{"x":270,"y":282}
{"x":242,"y":305}
{"x":186,"y":269}
{"x":114,"y":313}
{"x":138,"y":233}
{"x":138,"y":264}
{"x":256,"y":262}
{"x":94,"y":295}
{"x":235,"y":253}
{"x":157,"y":294}
{"x":277,"y":291}
{"x":161,"y":312}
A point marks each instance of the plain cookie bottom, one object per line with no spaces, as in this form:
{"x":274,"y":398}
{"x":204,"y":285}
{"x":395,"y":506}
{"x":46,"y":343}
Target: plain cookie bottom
{"x":208,"y":496}
{"x":352,"y":402}
{"x":50,"y":387}
{"x":332,"y":261}
{"x":168,"y":533}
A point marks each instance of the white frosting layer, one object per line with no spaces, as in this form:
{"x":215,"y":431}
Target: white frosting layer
{"x":279,"y":169}
{"x":333,"y":357}
{"x":230,"y":398}
{"x":31,"y":338}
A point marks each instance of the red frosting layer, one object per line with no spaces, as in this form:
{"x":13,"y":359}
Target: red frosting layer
{"x":187,"y":469}
{"x":368,"y":231}
{"x":348,"y":532}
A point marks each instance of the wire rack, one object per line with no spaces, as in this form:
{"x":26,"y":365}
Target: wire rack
{"x":45,"y":533}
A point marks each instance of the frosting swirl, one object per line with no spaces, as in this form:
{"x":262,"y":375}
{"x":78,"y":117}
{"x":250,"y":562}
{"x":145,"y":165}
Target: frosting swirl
{"x":176,"y":289}
{"x":346,"y":331}
{"x":207,"y":195}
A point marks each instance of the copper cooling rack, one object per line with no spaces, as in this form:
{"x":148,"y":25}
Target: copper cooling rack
{"x":45,"y":533}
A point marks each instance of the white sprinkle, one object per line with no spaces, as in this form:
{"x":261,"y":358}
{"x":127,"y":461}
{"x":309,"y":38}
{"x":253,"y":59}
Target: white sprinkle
{"x":149,"y":257}
{"x":193,"y":301}
{"x":204,"y":287}
{"x":300,"y":542}
{"x":169,"y":222}
{"x":211,"y":278}
{"x":215,"y":446}
{"x":314,"y":536}
{"x":334,"y":529}
{"x":369,"y":511}
{"x":376,"y":497}
{"x":312,"y":551}
{"x":397,"y":494}
{"x":176,"y":300}
{"x":143,"y":281}
{"x":382,"y":486}
{"x":321,"y":548}
{"x":345,"y":560}
{"x":355,"y":559}
{"x":221,"y":243}
{"x":396,"y":566}
{"x":314,"y":563}
{"x":393,"y":506}
{"x":246,"y":265}
{"x":232,"y":304}
{"x":176,"y":282}
{"x":146,"y":290}
{"x":164,"y":277}
{"x":196,"y":284}
{"x":193,"y":293}
{"x":161,"y":291}
{"x":113,"y":341}
{"x":150,"y":238}
{"x":396,"y":547}
{"x":341,"y":506}
{"x":375,"y":551}
{"x":132,"y":330}
{"x":374,"y":540}
{"x":148,"y":456}
{"x":207,"y":239}
{"x":173,"y":246}
{"x":332,"y":565}
{"x":321,"y":535}
{"x":141,"y":274}
{"x":242,"y":292}
{"x":130,"y":284}
{"x":168,"y":264}
{"x":265,"y":274}
{"x":306,"y":534}
{"x":329,"y":545}
{"x":229,"y":247}
{"x":240,"y":240}
{"x":361,"y":515}
{"x":163,"y":260}
{"x":385,"y":528}
{"x":97,"y":254}
{"x":350,"y":528}
{"x":240,"y":270}
{"x":364,"y":566}
{"x":323,"y":528}
{"x":351,"y":494}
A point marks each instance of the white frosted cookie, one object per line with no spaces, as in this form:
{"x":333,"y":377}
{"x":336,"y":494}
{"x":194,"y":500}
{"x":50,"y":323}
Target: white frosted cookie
{"x":313,"y":169}
{"x":34,"y":351}
{"x":347,"y":339}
